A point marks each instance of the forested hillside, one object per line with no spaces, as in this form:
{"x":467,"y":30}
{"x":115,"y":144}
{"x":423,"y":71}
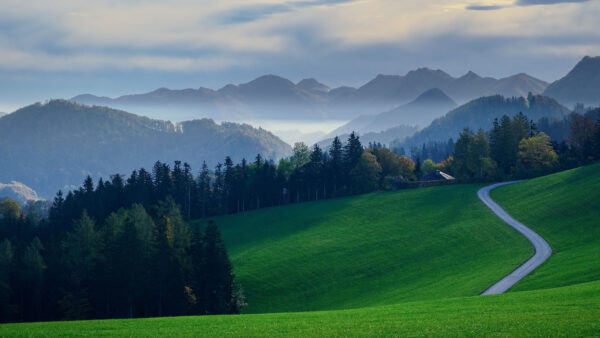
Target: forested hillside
{"x":55,"y":145}
{"x":480,"y":113}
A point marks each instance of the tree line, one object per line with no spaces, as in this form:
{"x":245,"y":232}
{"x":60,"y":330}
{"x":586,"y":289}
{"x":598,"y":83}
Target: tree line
{"x":308,"y":174}
{"x":516,"y":148}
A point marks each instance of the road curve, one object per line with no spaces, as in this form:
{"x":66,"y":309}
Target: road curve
{"x":542,"y":249}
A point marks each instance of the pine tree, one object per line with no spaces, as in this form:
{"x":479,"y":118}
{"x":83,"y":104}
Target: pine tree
{"x":6,"y":263}
{"x":127,"y":267}
{"x":31,"y":276}
{"x":315,"y":171}
{"x":204,"y":189}
{"x":81,"y":256}
{"x":219,"y":274}
{"x":229,"y":185}
{"x":197,"y":275}
{"x":336,"y":164}
{"x":352,"y":153}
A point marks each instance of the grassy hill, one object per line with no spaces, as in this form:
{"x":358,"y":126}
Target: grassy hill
{"x":564,"y":208}
{"x":568,"y":311}
{"x":384,"y":248}
{"x":480,"y":114}
{"x":375,"y":249}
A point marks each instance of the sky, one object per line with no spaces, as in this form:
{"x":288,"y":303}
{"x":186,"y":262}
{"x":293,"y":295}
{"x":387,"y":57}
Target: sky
{"x":59,"y":49}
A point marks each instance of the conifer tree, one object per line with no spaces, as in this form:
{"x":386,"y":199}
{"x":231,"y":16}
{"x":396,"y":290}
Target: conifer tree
{"x":336,"y":164}
{"x":6,"y":263}
{"x":204,"y":189}
{"x":219,"y":274}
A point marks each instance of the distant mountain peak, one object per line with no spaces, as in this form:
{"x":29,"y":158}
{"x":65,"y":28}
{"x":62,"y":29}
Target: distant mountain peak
{"x":386,"y":76}
{"x":588,"y":58}
{"x":434,"y":95}
{"x":520,"y":76}
{"x":313,"y":85}
{"x":424,"y":71}
{"x":309,"y":82}
{"x":269,"y":79}
{"x":227,"y":88}
{"x":161,"y":90}
{"x":580,"y":85}
{"x":587,"y":64}
{"x":470,"y":75}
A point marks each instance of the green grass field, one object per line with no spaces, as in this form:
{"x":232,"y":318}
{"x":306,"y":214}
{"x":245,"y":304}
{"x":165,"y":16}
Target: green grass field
{"x":564,"y":208}
{"x":569,"y":311}
{"x":413,"y":250}
{"x":375,"y":249}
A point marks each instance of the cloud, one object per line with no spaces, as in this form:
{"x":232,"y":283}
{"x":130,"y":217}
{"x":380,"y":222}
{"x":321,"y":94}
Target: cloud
{"x":544,"y":2}
{"x":41,"y":61}
{"x":484,"y":7}
{"x":519,"y":3}
{"x":250,"y":13}
{"x":233,"y":40}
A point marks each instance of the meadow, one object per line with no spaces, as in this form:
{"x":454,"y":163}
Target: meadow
{"x":567,"y":311}
{"x":375,"y":249}
{"x":401,"y":263}
{"x":564,"y":208}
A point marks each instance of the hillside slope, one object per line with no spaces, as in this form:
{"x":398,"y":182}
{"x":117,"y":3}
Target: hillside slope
{"x":55,"y":145}
{"x":563,"y":208}
{"x":570,"y":311}
{"x":374,"y":249}
{"x":480,"y":114}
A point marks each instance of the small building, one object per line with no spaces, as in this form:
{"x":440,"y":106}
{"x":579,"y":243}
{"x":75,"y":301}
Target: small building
{"x":437,"y":176}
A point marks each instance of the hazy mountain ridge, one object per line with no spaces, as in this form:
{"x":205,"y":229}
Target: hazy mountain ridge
{"x":385,"y":137}
{"x":580,"y":85}
{"x":480,"y":114}
{"x":425,"y":108}
{"x":272,"y":96}
{"x":53,"y":145}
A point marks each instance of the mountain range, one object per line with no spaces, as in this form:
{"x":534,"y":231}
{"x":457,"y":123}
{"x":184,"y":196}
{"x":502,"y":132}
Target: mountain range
{"x":272,"y":96}
{"x":580,"y":85}
{"x":55,"y":145}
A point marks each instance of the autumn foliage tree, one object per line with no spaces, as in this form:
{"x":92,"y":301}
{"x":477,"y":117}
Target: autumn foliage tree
{"x":536,"y":154}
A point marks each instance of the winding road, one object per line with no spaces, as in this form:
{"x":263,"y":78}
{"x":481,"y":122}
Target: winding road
{"x":542,"y":249}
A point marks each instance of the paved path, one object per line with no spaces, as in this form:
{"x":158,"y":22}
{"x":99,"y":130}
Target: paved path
{"x":542,"y":249}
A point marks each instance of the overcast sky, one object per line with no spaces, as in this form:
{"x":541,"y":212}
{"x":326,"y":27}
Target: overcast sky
{"x":58,"y":49}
